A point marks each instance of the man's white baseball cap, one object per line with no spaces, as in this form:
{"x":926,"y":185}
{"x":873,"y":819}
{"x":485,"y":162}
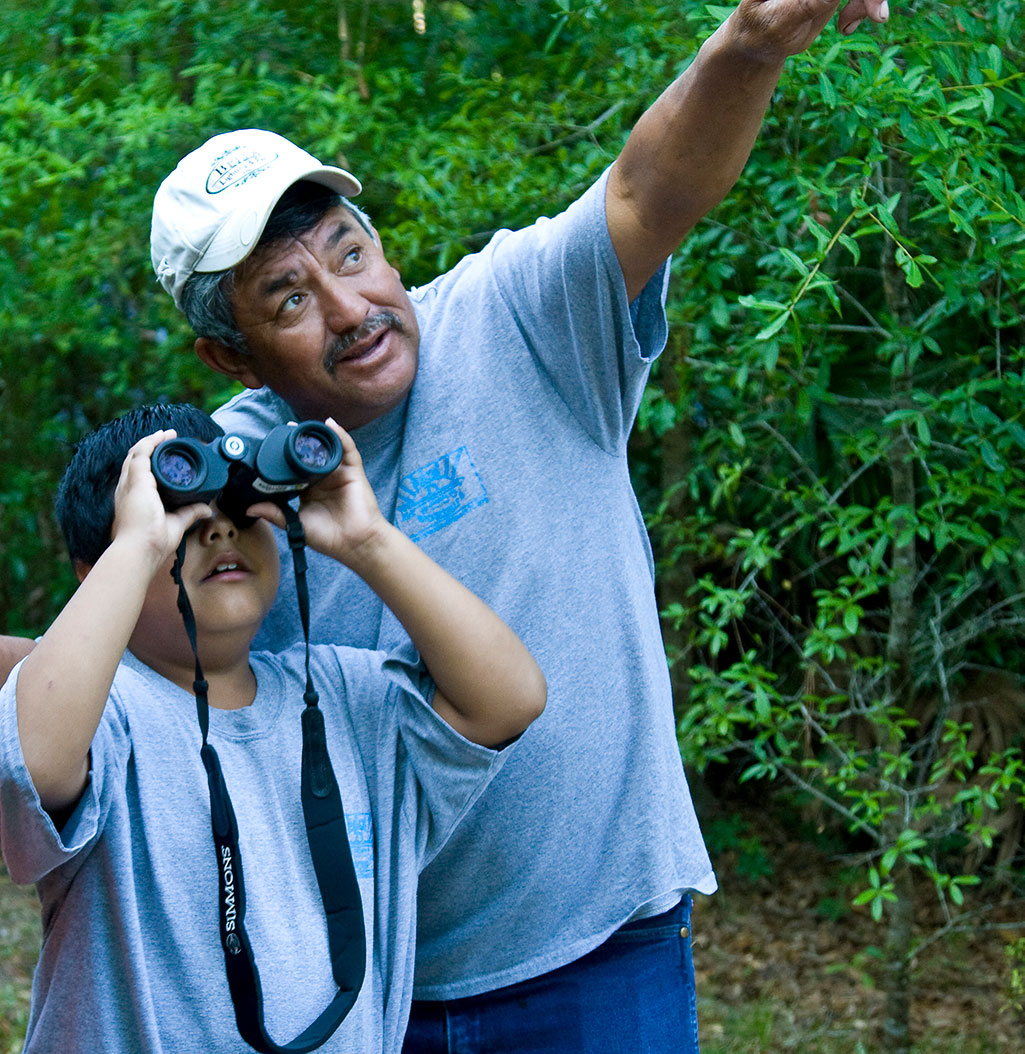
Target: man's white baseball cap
{"x":209,"y":213}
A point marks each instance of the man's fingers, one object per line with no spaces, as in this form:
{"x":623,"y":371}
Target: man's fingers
{"x":855,"y":12}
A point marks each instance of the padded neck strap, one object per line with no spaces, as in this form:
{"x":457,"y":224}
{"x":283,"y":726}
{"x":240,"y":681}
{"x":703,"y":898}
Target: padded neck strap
{"x":325,"y":832}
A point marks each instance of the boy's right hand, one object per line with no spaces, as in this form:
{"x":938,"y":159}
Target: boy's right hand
{"x":139,"y":514}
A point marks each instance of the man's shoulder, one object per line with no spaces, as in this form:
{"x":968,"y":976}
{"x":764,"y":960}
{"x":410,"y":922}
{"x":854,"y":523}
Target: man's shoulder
{"x":253,"y":412}
{"x":583,"y":220}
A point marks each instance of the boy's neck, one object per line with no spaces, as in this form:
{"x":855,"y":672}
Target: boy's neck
{"x":228,"y":673}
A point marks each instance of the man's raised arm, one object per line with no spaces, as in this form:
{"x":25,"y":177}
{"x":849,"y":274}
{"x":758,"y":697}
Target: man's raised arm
{"x":688,"y":149}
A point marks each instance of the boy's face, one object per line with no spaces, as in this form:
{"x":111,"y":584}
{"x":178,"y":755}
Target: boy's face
{"x":231,"y":576}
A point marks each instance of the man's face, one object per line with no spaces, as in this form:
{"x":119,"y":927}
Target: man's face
{"x":328,"y":323}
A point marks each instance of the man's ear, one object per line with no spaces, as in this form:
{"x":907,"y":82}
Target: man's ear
{"x":226,"y":360}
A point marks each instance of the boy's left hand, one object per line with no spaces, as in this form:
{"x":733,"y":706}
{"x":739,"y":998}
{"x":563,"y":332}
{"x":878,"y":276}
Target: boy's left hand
{"x":339,"y":513}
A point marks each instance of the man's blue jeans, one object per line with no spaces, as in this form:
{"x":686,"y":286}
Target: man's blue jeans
{"x":632,"y":995}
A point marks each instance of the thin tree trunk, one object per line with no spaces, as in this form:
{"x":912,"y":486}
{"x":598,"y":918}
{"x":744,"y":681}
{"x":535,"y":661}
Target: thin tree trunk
{"x":344,"y":39}
{"x":897,"y":963}
{"x":346,"y":52}
{"x":900,"y":915}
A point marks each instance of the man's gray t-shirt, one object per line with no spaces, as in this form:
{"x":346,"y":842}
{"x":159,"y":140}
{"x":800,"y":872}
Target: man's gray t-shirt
{"x":508,"y":464}
{"x":131,"y":961}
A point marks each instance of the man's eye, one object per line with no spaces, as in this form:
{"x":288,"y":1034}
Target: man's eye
{"x":353,"y":256}
{"x":290,"y":303}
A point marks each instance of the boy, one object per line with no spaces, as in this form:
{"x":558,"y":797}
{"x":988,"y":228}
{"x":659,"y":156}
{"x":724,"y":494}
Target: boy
{"x":103,"y":797}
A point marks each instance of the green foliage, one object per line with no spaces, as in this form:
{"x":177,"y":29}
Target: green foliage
{"x":19,"y":947}
{"x":732,"y":835}
{"x":831,"y":449}
{"x":847,"y":370}
{"x":495,"y":112}
{"x":1015,"y":988}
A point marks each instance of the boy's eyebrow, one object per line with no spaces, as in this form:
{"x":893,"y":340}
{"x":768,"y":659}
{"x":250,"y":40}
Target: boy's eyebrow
{"x":276,"y":284}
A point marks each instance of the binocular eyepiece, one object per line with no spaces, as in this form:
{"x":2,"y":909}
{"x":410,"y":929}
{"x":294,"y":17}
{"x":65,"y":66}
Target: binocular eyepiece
{"x":237,"y":474}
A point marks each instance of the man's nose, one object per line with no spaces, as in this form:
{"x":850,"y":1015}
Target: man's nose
{"x":345,"y":306}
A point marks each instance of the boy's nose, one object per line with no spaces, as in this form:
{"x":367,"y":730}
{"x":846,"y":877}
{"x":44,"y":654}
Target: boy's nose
{"x":216,"y":528}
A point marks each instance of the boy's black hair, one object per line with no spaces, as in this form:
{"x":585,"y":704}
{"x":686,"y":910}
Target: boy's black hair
{"x":84,"y":505}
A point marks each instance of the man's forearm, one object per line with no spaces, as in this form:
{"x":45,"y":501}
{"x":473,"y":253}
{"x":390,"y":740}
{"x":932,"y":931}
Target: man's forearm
{"x":691,"y":145}
{"x":688,"y":149}
{"x":12,"y":651}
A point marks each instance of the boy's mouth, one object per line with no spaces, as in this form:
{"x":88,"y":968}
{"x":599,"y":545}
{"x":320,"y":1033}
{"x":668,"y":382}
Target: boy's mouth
{"x":226,"y":568}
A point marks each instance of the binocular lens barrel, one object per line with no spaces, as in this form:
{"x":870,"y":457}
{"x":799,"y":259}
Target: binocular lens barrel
{"x":237,"y":474}
{"x":311,"y":451}
{"x":177,"y":468}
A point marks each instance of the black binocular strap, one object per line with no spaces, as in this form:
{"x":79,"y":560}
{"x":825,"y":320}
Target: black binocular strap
{"x":329,"y":848}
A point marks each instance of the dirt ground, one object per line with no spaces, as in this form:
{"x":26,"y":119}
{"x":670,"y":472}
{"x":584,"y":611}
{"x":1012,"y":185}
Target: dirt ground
{"x":803,"y":966}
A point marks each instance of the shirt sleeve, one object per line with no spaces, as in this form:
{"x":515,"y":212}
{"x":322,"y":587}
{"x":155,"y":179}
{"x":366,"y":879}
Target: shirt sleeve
{"x":561,"y":284}
{"x":253,"y":413}
{"x":432,"y":774}
{"x":32,"y":846}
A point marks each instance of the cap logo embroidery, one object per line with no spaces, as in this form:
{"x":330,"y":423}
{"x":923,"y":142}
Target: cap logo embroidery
{"x":236,"y":167}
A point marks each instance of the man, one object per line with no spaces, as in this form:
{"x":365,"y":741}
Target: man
{"x":492,"y":409}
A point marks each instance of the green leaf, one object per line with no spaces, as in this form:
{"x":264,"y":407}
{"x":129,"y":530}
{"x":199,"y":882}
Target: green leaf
{"x":772,"y":329}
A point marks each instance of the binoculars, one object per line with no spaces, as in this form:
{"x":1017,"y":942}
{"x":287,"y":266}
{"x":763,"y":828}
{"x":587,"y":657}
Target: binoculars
{"x":237,"y":474}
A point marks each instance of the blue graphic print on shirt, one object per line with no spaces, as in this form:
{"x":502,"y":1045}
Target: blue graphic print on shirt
{"x":360,"y":829}
{"x":439,"y":493}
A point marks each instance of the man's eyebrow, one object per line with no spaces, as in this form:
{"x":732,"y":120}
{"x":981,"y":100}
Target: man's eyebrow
{"x":275,"y":284}
{"x":345,"y":225}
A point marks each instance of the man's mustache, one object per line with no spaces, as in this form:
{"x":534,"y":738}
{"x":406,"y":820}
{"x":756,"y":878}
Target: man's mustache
{"x":368,"y":327}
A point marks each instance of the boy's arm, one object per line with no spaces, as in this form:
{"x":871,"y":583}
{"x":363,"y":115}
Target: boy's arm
{"x":488,"y":686}
{"x":64,"y":683}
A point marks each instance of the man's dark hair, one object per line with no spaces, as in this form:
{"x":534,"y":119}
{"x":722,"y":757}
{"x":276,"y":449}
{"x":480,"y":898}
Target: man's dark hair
{"x":207,"y":297}
{"x":84,"y":505}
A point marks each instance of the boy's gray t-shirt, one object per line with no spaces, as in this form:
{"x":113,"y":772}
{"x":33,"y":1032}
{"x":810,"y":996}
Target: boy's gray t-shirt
{"x":507,"y":463}
{"x":131,"y":961}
